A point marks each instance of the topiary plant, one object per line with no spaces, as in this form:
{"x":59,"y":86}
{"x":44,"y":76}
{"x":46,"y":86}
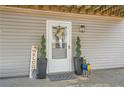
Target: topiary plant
{"x":43,"y":47}
{"x":78,"y":47}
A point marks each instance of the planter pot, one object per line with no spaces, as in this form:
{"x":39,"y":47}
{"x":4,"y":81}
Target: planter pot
{"x":77,"y":65}
{"x":41,"y":68}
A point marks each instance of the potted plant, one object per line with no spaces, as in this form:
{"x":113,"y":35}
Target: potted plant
{"x":42,"y":60}
{"x":77,"y":59}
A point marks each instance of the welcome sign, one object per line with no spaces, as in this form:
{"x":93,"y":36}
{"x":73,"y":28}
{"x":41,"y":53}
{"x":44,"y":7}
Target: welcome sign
{"x":33,"y":64}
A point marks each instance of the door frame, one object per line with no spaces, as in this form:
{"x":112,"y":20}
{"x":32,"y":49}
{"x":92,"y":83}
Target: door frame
{"x":47,"y":42}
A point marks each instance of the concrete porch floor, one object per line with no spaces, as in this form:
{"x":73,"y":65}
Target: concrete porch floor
{"x":99,"y":78}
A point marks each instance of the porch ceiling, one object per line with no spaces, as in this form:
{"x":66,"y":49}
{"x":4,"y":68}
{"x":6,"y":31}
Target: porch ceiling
{"x":105,"y":10}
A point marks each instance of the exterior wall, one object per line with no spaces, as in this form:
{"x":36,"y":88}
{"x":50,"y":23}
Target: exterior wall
{"x":19,"y":33}
{"x":102,"y":43}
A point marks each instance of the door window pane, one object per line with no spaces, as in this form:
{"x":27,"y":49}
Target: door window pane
{"x":59,"y":42}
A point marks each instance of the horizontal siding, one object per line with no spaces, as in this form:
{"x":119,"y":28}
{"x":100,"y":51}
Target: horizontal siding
{"x":102,"y":43}
{"x":17,"y":38}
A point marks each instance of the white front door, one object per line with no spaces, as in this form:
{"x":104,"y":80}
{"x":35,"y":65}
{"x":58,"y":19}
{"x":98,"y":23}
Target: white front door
{"x":58,"y":46}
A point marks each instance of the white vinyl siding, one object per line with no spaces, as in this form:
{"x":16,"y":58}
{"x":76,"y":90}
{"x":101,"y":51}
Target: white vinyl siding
{"x":19,"y":33}
{"x":102,"y":42}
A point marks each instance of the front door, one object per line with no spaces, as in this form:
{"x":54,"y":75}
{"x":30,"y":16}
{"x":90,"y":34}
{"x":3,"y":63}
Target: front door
{"x":58,"y":46}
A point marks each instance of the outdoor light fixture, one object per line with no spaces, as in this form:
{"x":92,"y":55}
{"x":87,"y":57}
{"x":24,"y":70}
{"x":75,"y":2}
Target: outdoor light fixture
{"x":82,"y":28}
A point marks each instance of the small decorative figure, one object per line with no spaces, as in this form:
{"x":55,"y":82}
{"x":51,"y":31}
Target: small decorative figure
{"x":86,"y":68}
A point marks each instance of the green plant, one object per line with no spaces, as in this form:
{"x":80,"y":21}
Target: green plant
{"x":43,"y":47}
{"x":78,"y":47}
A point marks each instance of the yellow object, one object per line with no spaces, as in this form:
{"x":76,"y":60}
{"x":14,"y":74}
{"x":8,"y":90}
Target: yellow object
{"x":84,"y":78}
{"x":89,"y":69}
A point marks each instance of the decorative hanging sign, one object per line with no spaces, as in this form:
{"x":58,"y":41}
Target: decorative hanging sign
{"x":33,"y":64}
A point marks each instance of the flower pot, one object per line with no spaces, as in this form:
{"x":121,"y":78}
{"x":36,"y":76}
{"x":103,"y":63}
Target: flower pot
{"x":77,"y":65}
{"x":41,"y":68}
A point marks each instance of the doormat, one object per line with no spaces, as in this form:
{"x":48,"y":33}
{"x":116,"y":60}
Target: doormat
{"x":62,"y":76}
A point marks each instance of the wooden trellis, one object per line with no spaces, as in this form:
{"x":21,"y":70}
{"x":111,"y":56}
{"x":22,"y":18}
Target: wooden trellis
{"x":106,"y":10}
